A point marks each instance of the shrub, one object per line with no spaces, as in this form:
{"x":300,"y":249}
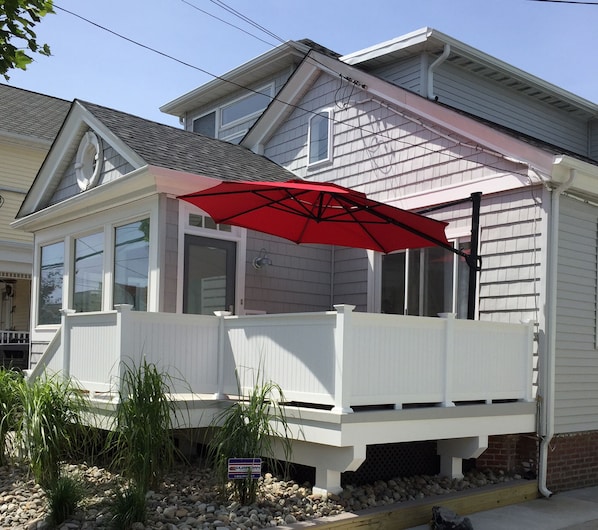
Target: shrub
{"x":142,"y":435}
{"x":129,"y":507}
{"x":249,"y":429}
{"x":9,"y":407}
{"x":51,"y":414}
{"x":64,"y":495}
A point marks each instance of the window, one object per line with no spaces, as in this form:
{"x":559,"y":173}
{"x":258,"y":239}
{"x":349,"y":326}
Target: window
{"x":221,"y":122}
{"x":206,"y":125}
{"x":131,"y":264}
{"x":319,"y":137}
{"x":425,"y":282}
{"x":50,"y":283}
{"x":245,"y":107}
{"x":89,"y":273}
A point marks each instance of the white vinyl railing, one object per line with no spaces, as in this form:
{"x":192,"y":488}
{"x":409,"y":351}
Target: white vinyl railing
{"x":14,"y":337}
{"x":340,"y":359}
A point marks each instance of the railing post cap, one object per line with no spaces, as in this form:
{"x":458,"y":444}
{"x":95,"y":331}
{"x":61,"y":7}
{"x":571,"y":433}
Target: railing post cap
{"x":123,"y":307}
{"x":344,"y":308}
{"x":223,"y":313}
{"x":68,"y":311}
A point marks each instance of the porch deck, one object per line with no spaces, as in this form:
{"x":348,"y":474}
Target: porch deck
{"x":349,"y":379}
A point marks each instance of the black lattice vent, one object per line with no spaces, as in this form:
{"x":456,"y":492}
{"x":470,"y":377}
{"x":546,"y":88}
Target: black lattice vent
{"x":386,"y":461}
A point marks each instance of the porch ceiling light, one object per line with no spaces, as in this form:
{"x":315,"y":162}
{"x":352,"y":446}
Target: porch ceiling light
{"x":262,"y":260}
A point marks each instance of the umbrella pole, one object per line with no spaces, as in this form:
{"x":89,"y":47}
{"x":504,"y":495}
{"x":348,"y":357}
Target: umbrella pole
{"x":472,"y":262}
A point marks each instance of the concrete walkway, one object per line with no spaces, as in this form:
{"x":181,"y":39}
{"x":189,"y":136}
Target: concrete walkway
{"x":570,"y":510}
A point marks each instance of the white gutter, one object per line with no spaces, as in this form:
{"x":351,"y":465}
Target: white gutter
{"x":439,"y":60}
{"x":547,"y":416}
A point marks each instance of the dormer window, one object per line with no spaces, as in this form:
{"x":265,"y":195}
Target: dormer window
{"x":206,"y":125}
{"x":320,"y":137}
{"x":230,"y":122}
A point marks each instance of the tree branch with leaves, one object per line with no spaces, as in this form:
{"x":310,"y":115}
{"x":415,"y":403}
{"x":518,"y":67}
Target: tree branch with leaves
{"x":17,"y":38}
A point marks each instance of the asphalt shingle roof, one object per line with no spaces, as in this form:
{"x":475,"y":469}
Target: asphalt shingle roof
{"x":165,"y":146}
{"x":27,"y":113}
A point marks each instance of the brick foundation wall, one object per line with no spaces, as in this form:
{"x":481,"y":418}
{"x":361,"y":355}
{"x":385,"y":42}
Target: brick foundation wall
{"x":572,"y":461}
{"x":511,"y":453}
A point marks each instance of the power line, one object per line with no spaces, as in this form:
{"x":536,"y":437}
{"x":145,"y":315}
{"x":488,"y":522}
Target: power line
{"x":567,"y":2}
{"x":225,"y":22}
{"x":273,"y":98}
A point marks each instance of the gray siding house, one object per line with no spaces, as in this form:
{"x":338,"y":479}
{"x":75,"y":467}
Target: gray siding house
{"x":123,"y":269}
{"x":421,"y":121}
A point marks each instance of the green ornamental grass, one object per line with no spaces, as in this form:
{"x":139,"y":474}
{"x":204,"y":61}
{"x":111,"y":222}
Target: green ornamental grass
{"x":10,"y":381}
{"x":52,"y":408}
{"x":142,"y":436}
{"x":249,"y":429}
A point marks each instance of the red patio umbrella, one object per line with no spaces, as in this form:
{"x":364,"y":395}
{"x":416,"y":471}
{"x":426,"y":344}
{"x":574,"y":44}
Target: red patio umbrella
{"x":309,"y":212}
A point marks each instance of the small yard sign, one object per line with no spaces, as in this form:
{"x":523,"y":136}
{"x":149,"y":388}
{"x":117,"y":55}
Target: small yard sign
{"x":240,"y":468}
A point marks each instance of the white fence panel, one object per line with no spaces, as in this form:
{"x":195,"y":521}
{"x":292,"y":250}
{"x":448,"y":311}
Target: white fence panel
{"x":295,"y":351}
{"x":492,"y":361}
{"x":184,"y":346}
{"x":396,"y":359}
{"x":94,"y":345}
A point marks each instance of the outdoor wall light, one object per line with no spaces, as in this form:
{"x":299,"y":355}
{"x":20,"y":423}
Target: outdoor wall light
{"x":262,"y":260}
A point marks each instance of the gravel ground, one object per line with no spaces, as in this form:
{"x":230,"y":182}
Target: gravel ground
{"x":189,"y":499}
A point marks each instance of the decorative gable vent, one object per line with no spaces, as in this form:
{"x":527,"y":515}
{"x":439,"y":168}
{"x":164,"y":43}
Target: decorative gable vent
{"x":89,"y":161}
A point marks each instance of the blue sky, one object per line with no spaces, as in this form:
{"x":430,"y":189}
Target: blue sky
{"x":556,"y":42}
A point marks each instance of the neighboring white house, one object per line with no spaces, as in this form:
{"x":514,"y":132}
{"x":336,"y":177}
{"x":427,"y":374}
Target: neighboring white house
{"x":28,"y":124}
{"x":110,"y":234}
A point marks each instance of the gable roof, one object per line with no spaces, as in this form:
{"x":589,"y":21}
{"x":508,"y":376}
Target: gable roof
{"x":180,"y":150}
{"x":30,"y":115}
{"x":146,"y":145}
{"x":550,"y":161}
{"x":288,"y":54}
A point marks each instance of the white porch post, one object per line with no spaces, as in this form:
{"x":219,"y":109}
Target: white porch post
{"x":452,"y":452}
{"x":66,"y":342}
{"x":343,"y":356}
{"x":220,"y":352}
{"x":122,"y":313}
{"x":449,"y":348}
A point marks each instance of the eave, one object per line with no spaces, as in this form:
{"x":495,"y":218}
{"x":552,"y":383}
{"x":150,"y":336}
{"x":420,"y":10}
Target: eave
{"x":428,"y":40}
{"x":275,"y":60}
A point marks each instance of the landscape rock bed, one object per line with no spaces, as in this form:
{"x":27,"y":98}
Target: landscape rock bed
{"x":189,"y":499}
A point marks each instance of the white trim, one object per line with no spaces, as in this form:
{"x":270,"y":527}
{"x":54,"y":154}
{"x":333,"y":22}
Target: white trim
{"x":236,"y":235}
{"x":330,"y":120}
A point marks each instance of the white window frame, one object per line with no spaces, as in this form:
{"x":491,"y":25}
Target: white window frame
{"x":220,"y":129}
{"x":236,"y":234}
{"x":328,"y":157}
{"x":106,"y":221}
{"x":265,"y":88}
{"x":374,"y":298}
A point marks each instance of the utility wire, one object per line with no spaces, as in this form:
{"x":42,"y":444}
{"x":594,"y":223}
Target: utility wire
{"x":226,"y":22}
{"x":273,"y":98}
{"x":567,"y":2}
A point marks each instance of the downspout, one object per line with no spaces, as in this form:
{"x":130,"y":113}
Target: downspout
{"x":549,"y":371}
{"x":439,"y":60}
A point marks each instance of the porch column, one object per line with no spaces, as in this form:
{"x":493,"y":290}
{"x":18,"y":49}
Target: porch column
{"x":343,"y":356}
{"x":219,"y":394}
{"x":66,"y":342}
{"x":449,"y":347}
{"x":122,"y":312}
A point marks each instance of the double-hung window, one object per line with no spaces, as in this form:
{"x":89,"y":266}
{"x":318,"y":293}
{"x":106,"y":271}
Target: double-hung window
{"x":51,"y":274}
